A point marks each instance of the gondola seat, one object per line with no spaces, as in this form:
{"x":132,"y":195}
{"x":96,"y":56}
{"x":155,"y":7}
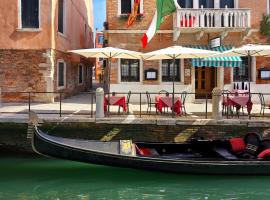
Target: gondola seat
{"x":148,"y":152}
{"x":253,"y":142}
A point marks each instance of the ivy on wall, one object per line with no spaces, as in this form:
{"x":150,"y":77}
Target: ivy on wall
{"x":265,"y":26}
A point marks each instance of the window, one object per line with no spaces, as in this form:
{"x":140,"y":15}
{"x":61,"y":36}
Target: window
{"x":169,"y":71}
{"x":228,"y":3}
{"x":61,"y":74}
{"x":61,"y":16}
{"x":80,"y":74}
{"x":100,"y":39}
{"x":126,"y":6}
{"x":206,"y":3}
{"x":29,"y":13}
{"x":130,"y":70}
{"x":241,"y":73}
{"x":185,"y":3}
{"x":264,"y":74}
{"x":85,"y":31}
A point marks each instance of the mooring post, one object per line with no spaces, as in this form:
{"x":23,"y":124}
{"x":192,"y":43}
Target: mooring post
{"x":216,"y":102}
{"x":99,"y":103}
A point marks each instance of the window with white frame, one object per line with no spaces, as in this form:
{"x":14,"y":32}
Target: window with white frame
{"x":80,"y":74}
{"x":125,"y":6}
{"x":130,"y":70}
{"x":170,"y":72}
{"x":29,"y":13}
{"x":61,"y":16}
{"x":61,"y":74}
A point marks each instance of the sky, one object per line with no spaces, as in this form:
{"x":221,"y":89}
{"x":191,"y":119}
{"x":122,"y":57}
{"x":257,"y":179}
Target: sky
{"x":99,"y":13}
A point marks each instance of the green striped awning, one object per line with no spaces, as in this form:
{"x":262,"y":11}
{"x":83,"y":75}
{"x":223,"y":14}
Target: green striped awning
{"x":234,"y":61}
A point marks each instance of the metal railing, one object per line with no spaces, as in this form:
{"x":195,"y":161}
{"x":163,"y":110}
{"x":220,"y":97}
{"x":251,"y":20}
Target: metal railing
{"x":24,"y":102}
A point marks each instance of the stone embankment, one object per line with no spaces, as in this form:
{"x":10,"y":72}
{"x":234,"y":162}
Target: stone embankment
{"x":13,"y":134}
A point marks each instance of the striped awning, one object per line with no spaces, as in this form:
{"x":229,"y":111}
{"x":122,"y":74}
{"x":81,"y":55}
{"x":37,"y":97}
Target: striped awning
{"x":235,"y":61}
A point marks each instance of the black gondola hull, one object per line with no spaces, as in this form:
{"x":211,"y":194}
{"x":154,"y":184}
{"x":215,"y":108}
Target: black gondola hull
{"x":42,"y":145}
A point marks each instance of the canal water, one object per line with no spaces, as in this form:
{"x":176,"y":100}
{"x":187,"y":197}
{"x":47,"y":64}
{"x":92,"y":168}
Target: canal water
{"x":39,"y":178}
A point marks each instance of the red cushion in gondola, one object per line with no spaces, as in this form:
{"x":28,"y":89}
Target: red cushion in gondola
{"x":237,"y":144}
{"x":264,"y":153}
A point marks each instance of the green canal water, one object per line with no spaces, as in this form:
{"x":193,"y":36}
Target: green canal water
{"x":35,"y":178}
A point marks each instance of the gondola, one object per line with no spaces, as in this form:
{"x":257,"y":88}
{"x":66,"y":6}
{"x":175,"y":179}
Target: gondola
{"x":248,"y":156}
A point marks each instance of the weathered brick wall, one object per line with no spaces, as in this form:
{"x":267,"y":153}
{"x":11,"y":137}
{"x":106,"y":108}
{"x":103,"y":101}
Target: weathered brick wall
{"x":257,"y":9}
{"x":21,"y":71}
{"x":117,"y":23}
{"x":72,"y":74}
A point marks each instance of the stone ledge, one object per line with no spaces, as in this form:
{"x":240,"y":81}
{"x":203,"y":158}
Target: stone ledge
{"x":166,"y":122}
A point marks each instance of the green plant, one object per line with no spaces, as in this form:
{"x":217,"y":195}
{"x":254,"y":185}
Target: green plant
{"x":265,"y":26}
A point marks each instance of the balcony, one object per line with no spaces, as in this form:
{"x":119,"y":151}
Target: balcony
{"x":202,"y":21}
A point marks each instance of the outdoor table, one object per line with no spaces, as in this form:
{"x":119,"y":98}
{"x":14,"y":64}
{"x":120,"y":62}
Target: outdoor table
{"x":239,"y":99}
{"x":115,"y":101}
{"x":166,"y":102}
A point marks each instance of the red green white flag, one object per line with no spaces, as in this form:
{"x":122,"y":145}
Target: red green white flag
{"x":164,"y":8}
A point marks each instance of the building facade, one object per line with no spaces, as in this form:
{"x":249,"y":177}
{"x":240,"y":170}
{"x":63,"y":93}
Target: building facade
{"x":209,"y":24}
{"x":34,"y":43}
{"x":98,"y":71}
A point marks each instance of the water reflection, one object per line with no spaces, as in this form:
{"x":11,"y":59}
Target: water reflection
{"x":55,"y":179}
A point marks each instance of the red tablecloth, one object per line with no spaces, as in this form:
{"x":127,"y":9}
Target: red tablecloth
{"x":239,"y":100}
{"x":166,"y":101}
{"x":115,"y":101}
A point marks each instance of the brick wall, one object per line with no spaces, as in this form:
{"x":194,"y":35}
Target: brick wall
{"x":72,"y":74}
{"x":21,"y":71}
{"x":31,"y":71}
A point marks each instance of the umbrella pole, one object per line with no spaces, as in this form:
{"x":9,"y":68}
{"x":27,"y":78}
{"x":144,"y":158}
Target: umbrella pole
{"x":173,"y":86}
{"x":109,"y":82}
{"x":249,"y":78}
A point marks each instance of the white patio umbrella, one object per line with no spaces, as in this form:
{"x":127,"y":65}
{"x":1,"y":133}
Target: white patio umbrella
{"x":177,"y":52}
{"x":109,"y":53}
{"x":248,"y":50}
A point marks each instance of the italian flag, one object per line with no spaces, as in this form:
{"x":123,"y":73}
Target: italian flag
{"x":164,"y":8}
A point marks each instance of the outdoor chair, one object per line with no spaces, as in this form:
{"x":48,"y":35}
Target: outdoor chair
{"x":127,"y":102}
{"x":150,"y":102}
{"x":166,"y":93}
{"x":225,"y":105}
{"x":263,"y":105}
{"x":183,"y":100}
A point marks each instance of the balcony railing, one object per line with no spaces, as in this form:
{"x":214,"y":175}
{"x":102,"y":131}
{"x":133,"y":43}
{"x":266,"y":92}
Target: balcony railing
{"x":227,"y":18}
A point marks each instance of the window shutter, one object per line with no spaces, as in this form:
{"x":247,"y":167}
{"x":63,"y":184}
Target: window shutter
{"x":61,"y":16}
{"x":125,"y":6}
{"x":30,"y":13}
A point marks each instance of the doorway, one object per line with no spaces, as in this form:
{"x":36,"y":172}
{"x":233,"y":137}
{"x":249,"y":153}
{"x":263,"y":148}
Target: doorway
{"x":205,"y":81}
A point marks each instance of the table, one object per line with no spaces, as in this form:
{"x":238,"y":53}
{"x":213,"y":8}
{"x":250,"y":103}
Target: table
{"x":239,"y":100}
{"x":115,"y":101}
{"x":166,"y":101}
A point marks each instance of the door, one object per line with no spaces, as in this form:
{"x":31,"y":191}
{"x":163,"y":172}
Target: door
{"x":205,"y":81}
